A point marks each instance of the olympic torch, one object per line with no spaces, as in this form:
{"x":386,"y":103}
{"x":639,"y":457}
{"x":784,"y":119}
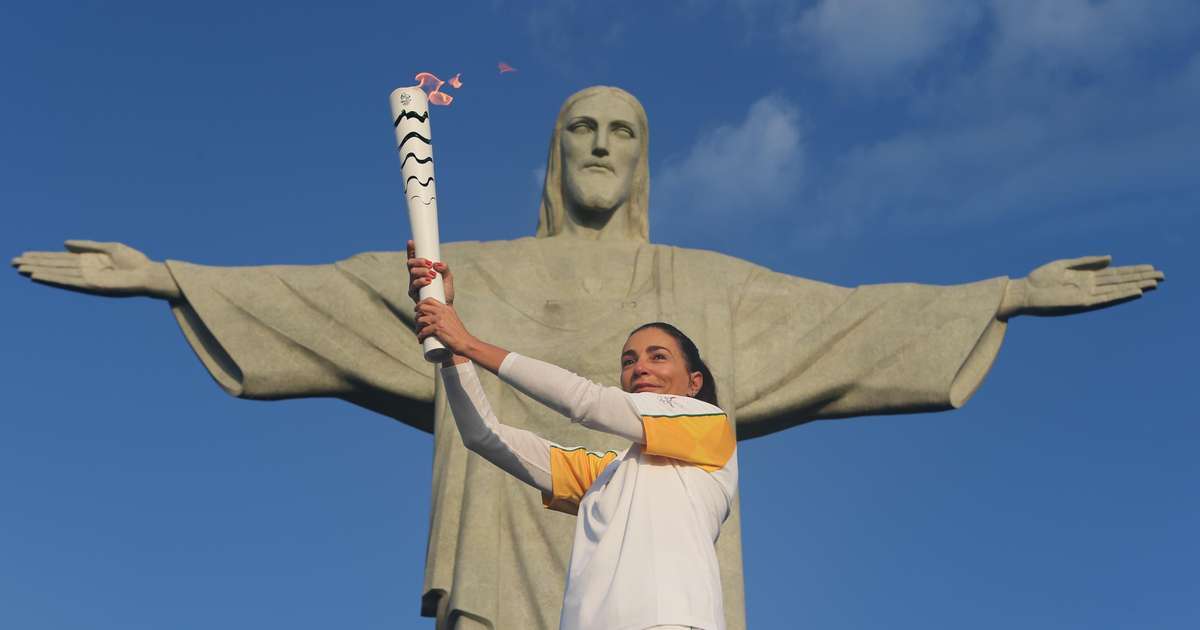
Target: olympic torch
{"x":410,"y":115}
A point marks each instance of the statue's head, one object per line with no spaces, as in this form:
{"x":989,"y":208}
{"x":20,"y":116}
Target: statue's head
{"x":598,"y":163}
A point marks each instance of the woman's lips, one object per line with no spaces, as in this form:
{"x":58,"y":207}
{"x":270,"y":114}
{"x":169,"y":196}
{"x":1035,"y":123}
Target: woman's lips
{"x":641,"y":387}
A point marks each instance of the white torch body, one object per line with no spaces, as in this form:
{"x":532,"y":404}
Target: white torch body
{"x":414,"y":145}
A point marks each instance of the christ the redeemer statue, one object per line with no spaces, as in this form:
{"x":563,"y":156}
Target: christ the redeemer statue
{"x":784,"y":350}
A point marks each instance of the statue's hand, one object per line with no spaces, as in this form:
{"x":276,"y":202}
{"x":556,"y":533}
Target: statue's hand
{"x":421,"y":272}
{"x":110,"y":269}
{"x":1065,"y":287}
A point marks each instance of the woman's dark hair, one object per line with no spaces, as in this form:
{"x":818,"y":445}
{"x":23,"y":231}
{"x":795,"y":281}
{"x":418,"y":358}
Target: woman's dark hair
{"x":691,"y":357}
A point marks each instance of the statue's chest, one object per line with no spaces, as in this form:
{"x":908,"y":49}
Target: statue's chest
{"x":581,"y":332}
{"x":575,"y":306}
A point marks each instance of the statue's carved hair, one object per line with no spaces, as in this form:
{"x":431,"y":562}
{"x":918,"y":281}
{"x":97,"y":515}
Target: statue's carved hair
{"x":553,"y":212}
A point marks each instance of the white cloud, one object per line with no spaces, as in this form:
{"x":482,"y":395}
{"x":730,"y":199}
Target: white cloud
{"x":754,"y":164}
{"x":1047,"y":107}
{"x":864,"y":40}
{"x":1068,"y":152}
{"x":1080,"y":33}
{"x":1026,"y":110}
{"x":860,"y":42}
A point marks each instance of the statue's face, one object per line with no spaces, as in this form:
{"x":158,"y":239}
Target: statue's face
{"x":652,"y":361}
{"x":601,"y":144}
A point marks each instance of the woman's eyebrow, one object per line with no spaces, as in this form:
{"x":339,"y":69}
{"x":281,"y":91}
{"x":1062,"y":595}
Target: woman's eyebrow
{"x":653,"y":348}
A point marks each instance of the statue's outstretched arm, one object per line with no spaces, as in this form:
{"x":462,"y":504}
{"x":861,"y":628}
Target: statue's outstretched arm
{"x":108,"y":269}
{"x":269,"y":332}
{"x":811,"y":351}
{"x":1077,"y":285}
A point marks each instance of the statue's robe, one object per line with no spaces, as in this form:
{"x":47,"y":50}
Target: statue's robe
{"x":784,"y":350}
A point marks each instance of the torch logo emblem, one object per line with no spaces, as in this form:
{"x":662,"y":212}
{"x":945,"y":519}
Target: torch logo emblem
{"x":404,"y":99}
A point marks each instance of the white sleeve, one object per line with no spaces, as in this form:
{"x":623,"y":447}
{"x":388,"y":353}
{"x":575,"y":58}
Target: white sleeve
{"x":520,"y":453}
{"x":594,"y":406}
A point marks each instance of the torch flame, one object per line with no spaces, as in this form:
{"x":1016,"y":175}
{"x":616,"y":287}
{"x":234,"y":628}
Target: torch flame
{"x":436,"y":95}
{"x":504,"y":67}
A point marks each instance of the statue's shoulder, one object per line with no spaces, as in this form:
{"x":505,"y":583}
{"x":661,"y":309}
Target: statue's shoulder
{"x":707,"y":264}
{"x":378,"y":269}
{"x":470,"y":250}
{"x":703,"y":261}
{"x":373,"y":258}
{"x":456,"y":251}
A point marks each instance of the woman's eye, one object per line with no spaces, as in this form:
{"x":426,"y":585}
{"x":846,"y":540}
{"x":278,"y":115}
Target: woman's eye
{"x":624,"y":132}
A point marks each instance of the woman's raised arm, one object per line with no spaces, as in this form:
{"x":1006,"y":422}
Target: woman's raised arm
{"x":520,"y":453}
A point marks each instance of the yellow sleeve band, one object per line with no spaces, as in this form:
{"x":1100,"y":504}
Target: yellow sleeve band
{"x":705,"y":440}
{"x":572,"y":472}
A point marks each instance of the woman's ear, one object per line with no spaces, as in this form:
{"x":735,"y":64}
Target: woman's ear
{"x":696,"y":383}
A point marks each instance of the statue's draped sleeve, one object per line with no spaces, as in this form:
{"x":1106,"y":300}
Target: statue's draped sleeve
{"x":806,"y":350}
{"x":340,"y":330}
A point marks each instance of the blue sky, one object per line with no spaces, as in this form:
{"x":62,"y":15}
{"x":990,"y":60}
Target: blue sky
{"x":935,"y":141}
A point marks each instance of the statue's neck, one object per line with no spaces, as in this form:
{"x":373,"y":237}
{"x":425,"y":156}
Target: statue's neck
{"x":599,"y":225}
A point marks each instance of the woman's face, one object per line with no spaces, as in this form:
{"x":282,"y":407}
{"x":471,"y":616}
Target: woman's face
{"x":652,"y":361}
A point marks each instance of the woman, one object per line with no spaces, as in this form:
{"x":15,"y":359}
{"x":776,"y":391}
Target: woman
{"x":648,"y":517}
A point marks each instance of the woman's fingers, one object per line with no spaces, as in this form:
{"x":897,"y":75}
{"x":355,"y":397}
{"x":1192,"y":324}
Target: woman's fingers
{"x":415,"y":286}
{"x":427,"y":326}
{"x":435,"y":319}
{"x":423,"y":268}
{"x":417,"y":275}
{"x":427,"y":315}
{"x":420,"y":274}
{"x":424,"y":326}
{"x":429,"y":306}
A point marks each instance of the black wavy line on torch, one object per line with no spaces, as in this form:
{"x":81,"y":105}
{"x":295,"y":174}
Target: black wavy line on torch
{"x":424,"y":202}
{"x":411,"y":116}
{"x":424,"y":184}
{"x":410,"y":136}
{"x":410,"y":154}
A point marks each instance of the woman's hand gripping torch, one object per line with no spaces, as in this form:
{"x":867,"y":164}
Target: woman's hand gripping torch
{"x":410,"y":113}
